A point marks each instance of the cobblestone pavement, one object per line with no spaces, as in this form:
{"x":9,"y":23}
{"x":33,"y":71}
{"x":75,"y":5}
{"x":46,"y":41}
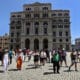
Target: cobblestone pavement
{"x":42,"y":73}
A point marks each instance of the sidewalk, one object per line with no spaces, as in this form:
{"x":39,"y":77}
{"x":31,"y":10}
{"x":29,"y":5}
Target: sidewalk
{"x":45,"y":73}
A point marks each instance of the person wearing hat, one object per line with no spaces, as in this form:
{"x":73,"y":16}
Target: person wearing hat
{"x":5,"y":60}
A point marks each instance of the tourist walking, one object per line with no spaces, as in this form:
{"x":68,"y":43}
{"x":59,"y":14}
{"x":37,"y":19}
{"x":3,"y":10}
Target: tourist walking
{"x":47,"y":55}
{"x":10,"y":56}
{"x":63,"y":57}
{"x":19,"y":59}
{"x":28,"y":54}
{"x":42,"y":57}
{"x":24,"y":54}
{"x":73,"y":60}
{"x":36,"y":58}
{"x":56,"y":62}
{"x":5,"y":60}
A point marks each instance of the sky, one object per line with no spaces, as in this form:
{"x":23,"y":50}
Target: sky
{"x":8,"y":6}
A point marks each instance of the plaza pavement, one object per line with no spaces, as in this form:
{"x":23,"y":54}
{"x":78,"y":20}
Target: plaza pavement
{"x":42,"y":73}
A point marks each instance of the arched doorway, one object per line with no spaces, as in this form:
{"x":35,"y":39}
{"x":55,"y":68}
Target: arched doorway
{"x":27,"y":44}
{"x":45,"y":44}
{"x":36,"y":44}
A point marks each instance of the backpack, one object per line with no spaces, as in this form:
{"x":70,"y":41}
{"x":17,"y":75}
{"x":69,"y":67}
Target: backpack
{"x":10,"y":53}
{"x":56,"y":57}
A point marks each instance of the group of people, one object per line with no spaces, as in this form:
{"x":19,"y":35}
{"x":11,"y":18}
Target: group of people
{"x":56,"y":57}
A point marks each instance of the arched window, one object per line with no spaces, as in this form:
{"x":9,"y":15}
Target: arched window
{"x":27,"y":44}
{"x":45,"y":43}
{"x":36,"y":44}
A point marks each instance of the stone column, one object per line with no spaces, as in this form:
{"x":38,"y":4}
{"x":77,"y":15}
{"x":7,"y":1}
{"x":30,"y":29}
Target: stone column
{"x":23,"y":27}
{"x":22,"y":43}
{"x":40,"y":44}
{"x":50,"y":44}
{"x":32,"y":44}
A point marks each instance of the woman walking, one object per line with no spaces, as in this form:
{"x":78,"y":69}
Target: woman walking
{"x":36,"y":58}
{"x":5,"y":60}
{"x":19,"y":59}
{"x":43,"y":57}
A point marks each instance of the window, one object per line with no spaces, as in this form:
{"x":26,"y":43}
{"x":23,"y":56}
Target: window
{"x":67,"y":47}
{"x":45,"y":8}
{"x":60,"y":33}
{"x":66,"y":33}
{"x":12,"y":34}
{"x":66,"y":14}
{"x":66,"y":20}
{"x":66,"y":26}
{"x":28,"y":9}
{"x":27,"y":31}
{"x":36,"y":23}
{"x":18,"y":15}
{"x":13,"y":22}
{"x":18,"y":27}
{"x":54,"y":40}
{"x":45,"y":30}
{"x":60,"y":20}
{"x":27,"y":23}
{"x":60,"y":26}
{"x":60,"y":40}
{"x":54,"y":26}
{"x":54,"y":34}
{"x":17,"y":40}
{"x":36,"y":15}
{"x":19,"y":22}
{"x":5,"y":39}
{"x":60,"y":14}
{"x":61,"y":46}
{"x":36,"y":30}
{"x":11,"y":40}
{"x":67,"y":40}
{"x":45,"y":23}
{"x":13,"y":16}
{"x":45,"y":15}
{"x":12,"y":27}
{"x":28,"y":15}
{"x":54,"y":14}
{"x":54,"y":20}
{"x":18,"y":34}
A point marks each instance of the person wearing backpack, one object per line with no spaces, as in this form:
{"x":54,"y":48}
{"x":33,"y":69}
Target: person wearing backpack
{"x":56,"y":62}
{"x":10,"y":56}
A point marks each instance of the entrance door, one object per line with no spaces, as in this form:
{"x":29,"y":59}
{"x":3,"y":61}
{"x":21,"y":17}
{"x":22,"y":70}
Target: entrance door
{"x":27,"y":44}
{"x":45,"y":44}
{"x":36,"y":44}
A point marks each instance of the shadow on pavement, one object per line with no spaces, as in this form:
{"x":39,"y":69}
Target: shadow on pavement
{"x":68,"y":70}
{"x":31,"y":65}
{"x":13,"y":70}
{"x":30,"y":68}
{"x":50,"y":69}
{"x":47,"y":73}
{"x":1,"y":71}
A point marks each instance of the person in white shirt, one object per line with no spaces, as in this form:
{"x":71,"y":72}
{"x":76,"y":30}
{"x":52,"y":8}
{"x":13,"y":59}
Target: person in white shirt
{"x":43,"y":57}
{"x":5,"y":60}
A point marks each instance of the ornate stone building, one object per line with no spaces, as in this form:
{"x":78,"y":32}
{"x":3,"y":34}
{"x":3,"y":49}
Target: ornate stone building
{"x":38,"y":27}
{"x":4,"y":41}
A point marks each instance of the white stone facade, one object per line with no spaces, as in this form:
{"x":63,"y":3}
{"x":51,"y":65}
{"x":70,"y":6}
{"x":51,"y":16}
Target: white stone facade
{"x":38,"y":27}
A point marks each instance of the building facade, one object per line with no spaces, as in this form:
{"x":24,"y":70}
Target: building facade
{"x":4,"y":41}
{"x":38,"y":27}
{"x":77,"y":43}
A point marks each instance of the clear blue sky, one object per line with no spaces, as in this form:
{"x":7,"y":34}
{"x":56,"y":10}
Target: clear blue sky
{"x":8,"y":6}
